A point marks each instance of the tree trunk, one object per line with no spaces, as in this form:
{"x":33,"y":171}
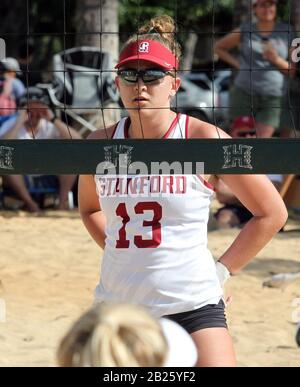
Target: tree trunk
{"x":95,"y":20}
{"x":13,"y":23}
{"x":242,"y":12}
{"x":189,"y":52}
{"x":97,"y":25}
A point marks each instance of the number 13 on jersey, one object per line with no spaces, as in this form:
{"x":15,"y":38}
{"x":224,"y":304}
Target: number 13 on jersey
{"x":139,"y":209}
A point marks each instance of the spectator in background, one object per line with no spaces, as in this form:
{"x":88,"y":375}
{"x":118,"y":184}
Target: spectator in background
{"x":234,"y":213}
{"x":265,"y":50}
{"x":243,"y":126}
{"x":121,"y":335}
{"x":11,"y":88}
{"x":35,"y":119}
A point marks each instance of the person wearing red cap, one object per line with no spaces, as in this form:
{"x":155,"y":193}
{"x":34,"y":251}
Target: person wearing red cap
{"x":234,"y":213}
{"x":265,"y":59}
{"x":153,"y":228}
{"x":244,"y":126}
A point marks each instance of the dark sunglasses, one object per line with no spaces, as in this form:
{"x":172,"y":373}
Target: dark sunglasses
{"x":245,"y":134}
{"x":148,"y":76}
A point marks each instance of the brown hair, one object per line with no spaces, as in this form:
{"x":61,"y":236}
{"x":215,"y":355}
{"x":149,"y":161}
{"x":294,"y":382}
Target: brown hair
{"x":116,"y":335}
{"x":162,"y":29}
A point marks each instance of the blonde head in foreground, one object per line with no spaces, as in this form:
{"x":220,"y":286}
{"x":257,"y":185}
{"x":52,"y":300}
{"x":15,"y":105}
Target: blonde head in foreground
{"x":113,"y":336}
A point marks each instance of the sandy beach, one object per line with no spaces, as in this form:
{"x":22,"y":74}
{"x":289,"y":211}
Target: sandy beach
{"x":49,"y":267}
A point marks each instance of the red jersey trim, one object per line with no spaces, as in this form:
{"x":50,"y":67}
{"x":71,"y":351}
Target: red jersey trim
{"x":206,"y":183}
{"x":172,"y":126}
{"x":115,"y":129}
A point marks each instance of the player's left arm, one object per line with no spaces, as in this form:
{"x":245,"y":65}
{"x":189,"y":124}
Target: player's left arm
{"x":259,"y":196}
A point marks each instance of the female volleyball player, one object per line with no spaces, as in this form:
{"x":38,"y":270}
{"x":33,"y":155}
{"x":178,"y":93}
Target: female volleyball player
{"x":153,"y":229}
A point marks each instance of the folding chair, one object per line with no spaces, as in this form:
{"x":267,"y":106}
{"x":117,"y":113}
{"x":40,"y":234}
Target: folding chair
{"x":83,"y":85}
{"x":286,"y":185}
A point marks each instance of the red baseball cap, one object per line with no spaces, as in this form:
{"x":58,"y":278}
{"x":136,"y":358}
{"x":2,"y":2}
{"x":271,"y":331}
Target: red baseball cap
{"x":149,"y":51}
{"x":242,"y":122}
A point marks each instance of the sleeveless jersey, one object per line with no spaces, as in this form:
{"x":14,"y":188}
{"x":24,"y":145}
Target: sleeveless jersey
{"x":156,"y":251}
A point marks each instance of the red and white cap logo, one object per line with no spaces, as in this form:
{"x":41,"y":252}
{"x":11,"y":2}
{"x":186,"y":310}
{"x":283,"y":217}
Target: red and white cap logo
{"x":144,"y":47}
{"x":150,"y":51}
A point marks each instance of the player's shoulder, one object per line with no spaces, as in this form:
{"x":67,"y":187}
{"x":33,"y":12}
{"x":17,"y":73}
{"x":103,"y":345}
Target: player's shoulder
{"x":202,"y":129}
{"x":102,"y":134}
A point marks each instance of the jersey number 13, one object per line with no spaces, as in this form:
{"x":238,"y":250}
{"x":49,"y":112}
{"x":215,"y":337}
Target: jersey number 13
{"x":140,"y":208}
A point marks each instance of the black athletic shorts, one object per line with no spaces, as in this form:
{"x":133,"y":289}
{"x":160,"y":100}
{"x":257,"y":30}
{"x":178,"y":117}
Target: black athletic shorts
{"x":209,"y":316}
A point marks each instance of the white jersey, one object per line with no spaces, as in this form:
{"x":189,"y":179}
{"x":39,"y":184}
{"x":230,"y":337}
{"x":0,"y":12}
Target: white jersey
{"x":156,"y":251}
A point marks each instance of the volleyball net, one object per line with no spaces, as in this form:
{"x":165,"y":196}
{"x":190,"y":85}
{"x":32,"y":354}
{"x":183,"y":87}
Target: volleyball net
{"x":82,"y":92}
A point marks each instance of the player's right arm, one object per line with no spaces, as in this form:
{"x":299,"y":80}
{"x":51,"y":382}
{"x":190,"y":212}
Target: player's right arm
{"x":88,"y":201}
{"x":90,"y":210}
